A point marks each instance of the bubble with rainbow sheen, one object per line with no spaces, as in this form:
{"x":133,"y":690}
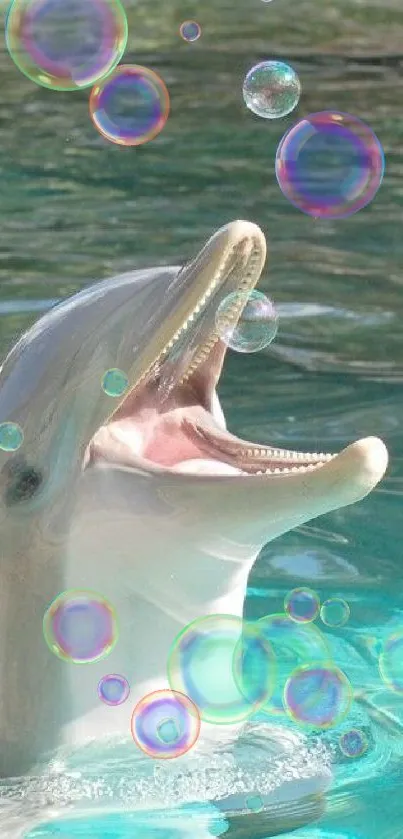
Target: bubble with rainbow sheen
{"x":302,"y":605}
{"x":271,"y":89}
{"x":190,"y":30}
{"x":353,"y":743}
{"x":165,"y":724}
{"x":317,"y":696}
{"x":80,"y":626}
{"x":11,"y":436}
{"x":115,"y":382}
{"x":113,"y":689}
{"x":335,"y":612}
{"x":294,"y":644}
{"x":391,"y":661}
{"x":131,"y":106}
{"x":224,"y":665}
{"x":66,"y":44}
{"x":257,"y":322}
{"x":330,"y":165}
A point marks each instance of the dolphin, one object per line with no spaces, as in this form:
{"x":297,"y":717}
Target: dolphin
{"x":146,"y":498}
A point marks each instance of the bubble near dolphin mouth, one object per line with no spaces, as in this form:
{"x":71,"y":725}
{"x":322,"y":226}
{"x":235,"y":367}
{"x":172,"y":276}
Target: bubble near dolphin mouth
{"x":170,"y":419}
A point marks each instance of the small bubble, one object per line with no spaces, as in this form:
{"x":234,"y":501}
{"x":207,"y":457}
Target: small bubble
{"x":11,"y":436}
{"x":271,"y":89}
{"x":246,"y":321}
{"x":190,"y":30}
{"x":353,"y":743}
{"x":115,"y":382}
{"x":335,"y":612}
{"x":113,"y":689}
{"x":302,"y":605}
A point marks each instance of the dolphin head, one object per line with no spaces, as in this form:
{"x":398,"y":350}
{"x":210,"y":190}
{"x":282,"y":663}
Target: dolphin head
{"x":142,"y":495}
{"x":158,"y":327}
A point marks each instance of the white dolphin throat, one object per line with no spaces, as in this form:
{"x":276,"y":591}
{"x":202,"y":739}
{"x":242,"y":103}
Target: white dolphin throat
{"x":150,"y":501}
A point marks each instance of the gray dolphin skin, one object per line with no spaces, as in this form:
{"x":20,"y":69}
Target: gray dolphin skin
{"x":146,"y":498}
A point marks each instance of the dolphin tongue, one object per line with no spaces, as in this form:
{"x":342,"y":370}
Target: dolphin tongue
{"x":207,"y":467}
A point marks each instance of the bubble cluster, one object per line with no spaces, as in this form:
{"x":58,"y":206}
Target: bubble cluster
{"x":335,"y":612}
{"x":271,"y":89}
{"x":11,"y":436}
{"x":66,"y":44}
{"x":225,"y":665}
{"x":131,"y":106}
{"x":317,"y":696}
{"x":80,"y":626}
{"x":329,"y":165}
{"x":113,"y":689}
{"x":190,"y":30}
{"x":302,"y":605}
{"x":115,"y":382}
{"x":294,"y":644}
{"x":391,"y":661}
{"x":165,"y":724}
{"x":257,"y":324}
{"x":353,"y":743}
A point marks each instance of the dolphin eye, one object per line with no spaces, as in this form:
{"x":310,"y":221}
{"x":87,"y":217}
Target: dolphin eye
{"x":24,"y":482}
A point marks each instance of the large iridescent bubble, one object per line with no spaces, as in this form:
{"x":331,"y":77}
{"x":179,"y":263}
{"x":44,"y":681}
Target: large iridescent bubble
{"x":80,"y":626}
{"x":131,"y":106}
{"x":330,"y":164}
{"x":225,"y":665}
{"x":165,"y":724}
{"x":294,"y":644}
{"x":66,"y":44}
{"x":317,"y":696}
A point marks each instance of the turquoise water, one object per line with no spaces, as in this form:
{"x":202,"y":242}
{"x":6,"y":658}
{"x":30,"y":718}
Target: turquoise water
{"x":74,"y":209}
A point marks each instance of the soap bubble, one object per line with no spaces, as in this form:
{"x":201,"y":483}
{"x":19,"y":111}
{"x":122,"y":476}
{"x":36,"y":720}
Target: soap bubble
{"x":353,"y":743}
{"x":391,"y":661}
{"x":165,"y":724}
{"x":113,"y":689}
{"x":80,"y":626}
{"x":335,"y":612}
{"x":11,"y":436}
{"x":302,"y":605}
{"x":294,"y":644}
{"x":131,"y":106}
{"x":190,"y":30}
{"x":271,"y":89}
{"x":66,"y":44}
{"x":317,"y":696}
{"x":257,"y":325}
{"x":255,"y":803}
{"x":224,"y":665}
{"x":329,"y":165}
{"x":115,"y":382}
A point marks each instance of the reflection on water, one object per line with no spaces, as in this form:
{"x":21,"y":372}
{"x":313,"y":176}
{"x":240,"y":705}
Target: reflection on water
{"x":75,"y":208}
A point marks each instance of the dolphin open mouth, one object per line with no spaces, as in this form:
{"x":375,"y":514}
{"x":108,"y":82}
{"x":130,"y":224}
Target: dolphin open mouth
{"x":171,"y":419}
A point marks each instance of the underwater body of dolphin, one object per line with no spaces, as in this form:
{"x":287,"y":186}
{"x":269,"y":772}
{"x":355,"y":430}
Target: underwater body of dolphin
{"x":147,"y":499}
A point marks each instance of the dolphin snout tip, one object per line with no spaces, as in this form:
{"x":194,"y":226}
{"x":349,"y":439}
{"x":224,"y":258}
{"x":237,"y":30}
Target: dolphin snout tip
{"x":361,"y":466}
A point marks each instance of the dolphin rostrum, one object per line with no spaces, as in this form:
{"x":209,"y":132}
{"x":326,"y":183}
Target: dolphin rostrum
{"x":147,"y":499}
